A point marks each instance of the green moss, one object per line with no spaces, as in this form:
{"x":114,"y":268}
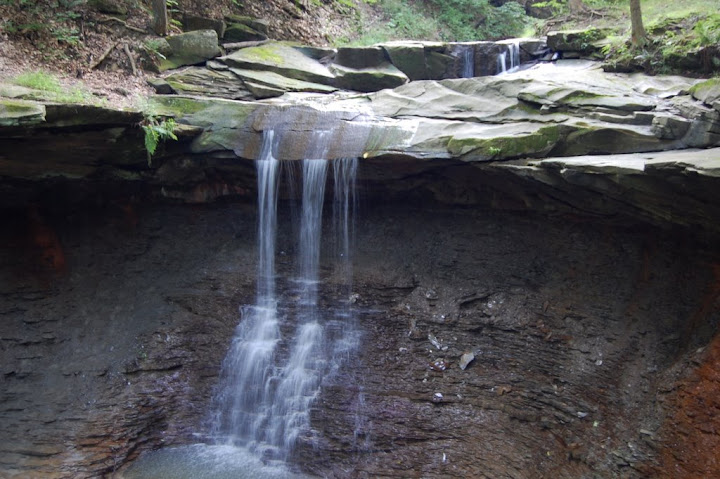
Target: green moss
{"x":498,"y":148}
{"x":173,"y":106}
{"x":19,"y":112}
{"x":699,"y":88}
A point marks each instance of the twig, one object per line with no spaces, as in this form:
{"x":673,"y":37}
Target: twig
{"x":132,"y":60}
{"x":103,"y":56}
{"x":123,"y":23}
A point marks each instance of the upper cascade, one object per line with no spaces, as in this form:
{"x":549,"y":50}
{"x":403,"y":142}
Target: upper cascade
{"x":271,"y":69}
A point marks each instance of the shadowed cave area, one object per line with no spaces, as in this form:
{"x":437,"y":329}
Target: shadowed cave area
{"x":592,"y":338}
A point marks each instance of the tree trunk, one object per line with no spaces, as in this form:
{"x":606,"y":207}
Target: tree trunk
{"x":639,"y":37}
{"x":160,"y":18}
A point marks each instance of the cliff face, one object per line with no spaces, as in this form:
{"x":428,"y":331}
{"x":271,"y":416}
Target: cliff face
{"x":584,"y":287}
{"x":586,"y":335}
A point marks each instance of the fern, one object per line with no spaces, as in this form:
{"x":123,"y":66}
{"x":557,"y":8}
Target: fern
{"x":155,"y":132}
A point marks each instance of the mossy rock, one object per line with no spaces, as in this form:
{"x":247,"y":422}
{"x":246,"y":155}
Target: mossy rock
{"x":191,"y":48}
{"x":20,"y":112}
{"x":112,"y":7}
{"x":360,"y":57}
{"x":206,"y":82}
{"x":585,"y":42}
{"x":707,"y":92}
{"x":257,"y":24}
{"x":281,"y":58}
{"x":438,"y":65}
{"x":270,"y":84}
{"x":510,"y":145}
{"x":369,"y":79}
{"x":237,"y":32}
{"x":194,"y":22}
{"x":409,"y":58}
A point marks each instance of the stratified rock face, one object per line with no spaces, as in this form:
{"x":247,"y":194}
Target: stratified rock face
{"x":280,"y":58}
{"x":575,"y":329}
{"x":116,"y":320}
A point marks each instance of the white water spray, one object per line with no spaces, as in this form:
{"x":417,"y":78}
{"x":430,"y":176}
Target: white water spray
{"x":284,"y":349}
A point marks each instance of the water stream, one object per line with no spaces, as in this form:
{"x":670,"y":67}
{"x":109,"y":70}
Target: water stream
{"x":286,"y":346}
{"x":509,"y":61}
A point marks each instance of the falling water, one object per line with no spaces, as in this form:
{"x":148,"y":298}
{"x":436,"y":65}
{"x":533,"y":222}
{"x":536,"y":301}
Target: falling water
{"x":244,"y":401}
{"x":269,"y":382}
{"x":285,"y":347}
{"x":513,"y":55}
{"x":468,"y":69}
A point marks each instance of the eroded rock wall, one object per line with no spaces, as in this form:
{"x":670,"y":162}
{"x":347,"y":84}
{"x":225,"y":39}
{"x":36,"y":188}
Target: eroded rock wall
{"x":115,"y":320}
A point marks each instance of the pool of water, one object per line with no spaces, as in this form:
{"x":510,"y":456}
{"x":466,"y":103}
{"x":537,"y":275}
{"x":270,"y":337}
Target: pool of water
{"x":200,"y":461}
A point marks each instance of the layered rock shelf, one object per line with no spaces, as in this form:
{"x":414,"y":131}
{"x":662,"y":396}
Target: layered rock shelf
{"x":556,"y":224}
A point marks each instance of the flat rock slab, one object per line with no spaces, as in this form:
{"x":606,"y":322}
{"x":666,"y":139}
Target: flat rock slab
{"x":280,"y":82}
{"x":20,"y":112}
{"x":206,"y":82}
{"x":283,"y":59}
{"x":703,"y":162}
{"x":370,"y":79}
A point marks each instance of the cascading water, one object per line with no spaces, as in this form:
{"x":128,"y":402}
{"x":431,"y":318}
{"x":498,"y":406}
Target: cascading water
{"x":468,"y":65}
{"x":269,"y":382}
{"x":513,"y":55}
{"x":285,"y":347}
{"x":249,"y":365}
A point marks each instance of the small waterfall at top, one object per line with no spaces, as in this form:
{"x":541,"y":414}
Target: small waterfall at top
{"x":283,"y":350}
{"x":513,"y":55}
{"x":468,"y":65}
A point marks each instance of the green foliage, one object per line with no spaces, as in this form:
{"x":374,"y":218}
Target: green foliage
{"x":51,"y":86}
{"x":467,"y":20}
{"x":449,"y":20}
{"x":157,"y":130}
{"x":707,"y":30}
{"x":39,"y":80}
{"x":555,"y":5}
{"x":401,"y":20}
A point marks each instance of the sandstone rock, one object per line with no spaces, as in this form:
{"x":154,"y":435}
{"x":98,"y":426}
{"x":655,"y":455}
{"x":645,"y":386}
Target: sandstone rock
{"x":283,"y":59}
{"x":195,"y":22}
{"x":191,"y":48}
{"x":583,"y":41}
{"x":438,"y":64}
{"x":20,"y":112}
{"x":278,"y":83}
{"x":361,"y":57}
{"x":368,"y":79}
{"x":237,"y":32}
{"x":206,"y":82}
{"x":670,"y":127}
{"x":707,"y":92}
{"x":409,"y":58}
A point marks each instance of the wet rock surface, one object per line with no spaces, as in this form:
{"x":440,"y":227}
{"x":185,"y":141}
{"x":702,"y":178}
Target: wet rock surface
{"x":115,"y":322}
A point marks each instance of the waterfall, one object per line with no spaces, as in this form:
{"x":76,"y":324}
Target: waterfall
{"x":511,"y":56}
{"x":244,"y":399}
{"x":284,"y":348}
{"x":501,"y":62}
{"x":468,"y":66}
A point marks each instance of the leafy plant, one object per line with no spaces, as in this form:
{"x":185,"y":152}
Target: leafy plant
{"x":707,"y":30}
{"x":157,"y":130}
